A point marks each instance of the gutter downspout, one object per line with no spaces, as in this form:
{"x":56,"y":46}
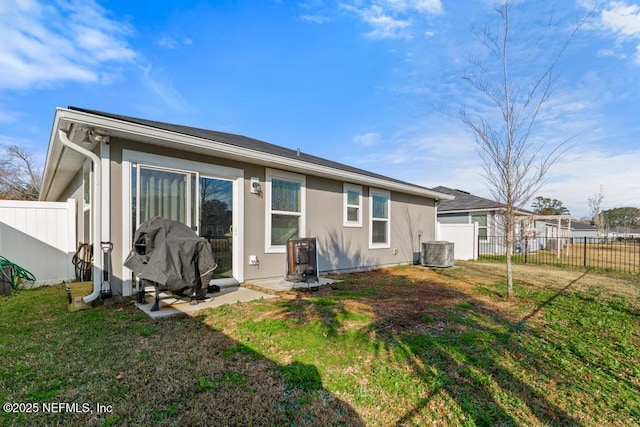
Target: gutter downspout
{"x":97,"y":213}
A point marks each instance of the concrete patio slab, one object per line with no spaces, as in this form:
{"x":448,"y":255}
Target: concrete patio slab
{"x":172,"y":306}
{"x":281,"y":285}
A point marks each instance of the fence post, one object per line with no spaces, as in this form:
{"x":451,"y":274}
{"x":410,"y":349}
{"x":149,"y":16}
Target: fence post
{"x":585,"y":251}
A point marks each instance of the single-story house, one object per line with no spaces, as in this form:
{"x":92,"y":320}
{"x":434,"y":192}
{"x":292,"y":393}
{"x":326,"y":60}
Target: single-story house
{"x":248,"y":197}
{"x":579,"y":229}
{"x":467,"y":208}
{"x":619,"y":232}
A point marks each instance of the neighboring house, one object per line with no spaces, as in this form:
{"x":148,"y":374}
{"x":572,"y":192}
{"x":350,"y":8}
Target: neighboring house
{"x":582,"y":229}
{"x":467,"y":208}
{"x":545,"y":230}
{"x":246,"y":196}
{"x":624,"y":233}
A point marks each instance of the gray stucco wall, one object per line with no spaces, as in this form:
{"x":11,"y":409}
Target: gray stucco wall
{"x":339,"y":247}
{"x":75,"y":191}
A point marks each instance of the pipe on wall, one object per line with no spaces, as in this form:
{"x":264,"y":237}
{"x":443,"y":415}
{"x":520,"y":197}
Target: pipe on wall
{"x":96,"y":202}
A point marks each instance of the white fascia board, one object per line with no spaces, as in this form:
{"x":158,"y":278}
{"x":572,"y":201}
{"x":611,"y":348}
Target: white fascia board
{"x":491,"y":211}
{"x":457,"y":211}
{"x":248,"y":155}
{"x":53,"y":154}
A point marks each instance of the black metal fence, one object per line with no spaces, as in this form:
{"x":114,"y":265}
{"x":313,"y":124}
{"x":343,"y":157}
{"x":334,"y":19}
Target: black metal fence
{"x":619,"y":254}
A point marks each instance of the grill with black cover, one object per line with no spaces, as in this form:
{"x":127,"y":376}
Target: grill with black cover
{"x":173,"y":258}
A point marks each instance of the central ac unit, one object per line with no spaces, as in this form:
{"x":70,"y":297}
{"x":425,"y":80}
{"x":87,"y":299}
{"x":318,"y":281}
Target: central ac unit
{"x":437,"y":254}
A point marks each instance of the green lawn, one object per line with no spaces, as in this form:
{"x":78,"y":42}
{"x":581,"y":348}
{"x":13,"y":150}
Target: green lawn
{"x":404,"y":346}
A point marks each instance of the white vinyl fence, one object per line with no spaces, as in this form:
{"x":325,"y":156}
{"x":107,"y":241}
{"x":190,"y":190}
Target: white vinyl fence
{"x":40,"y":237}
{"x":464,"y":238}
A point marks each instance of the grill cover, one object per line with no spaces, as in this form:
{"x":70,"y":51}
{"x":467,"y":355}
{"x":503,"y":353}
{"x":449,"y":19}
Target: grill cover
{"x":172,"y":255}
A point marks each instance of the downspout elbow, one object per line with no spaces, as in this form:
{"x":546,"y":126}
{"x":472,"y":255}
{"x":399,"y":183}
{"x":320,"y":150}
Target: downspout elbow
{"x":97,"y":211}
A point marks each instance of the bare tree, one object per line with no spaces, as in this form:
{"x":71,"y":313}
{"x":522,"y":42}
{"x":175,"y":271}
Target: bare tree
{"x":597,"y":216}
{"x":514,"y":163}
{"x":20,"y":178}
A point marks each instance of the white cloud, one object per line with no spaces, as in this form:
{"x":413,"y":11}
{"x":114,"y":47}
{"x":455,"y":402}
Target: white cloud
{"x":168,"y":42}
{"x":384,"y":25}
{"x":572,"y":180}
{"x":424,"y":6}
{"x":316,"y":19}
{"x":622,"y":18}
{"x":8,"y":117}
{"x":393,"y":19}
{"x":442,"y":152}
{"x":160,"y":84}
{"x":579,"y":174}
{"x":620,"y":21}
{"x":367,"y":139}
{"x":171,"y":43}
{"x":44,"y":43}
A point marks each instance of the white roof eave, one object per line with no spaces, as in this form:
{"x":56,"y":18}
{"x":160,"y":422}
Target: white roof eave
{"x":161,"y":137}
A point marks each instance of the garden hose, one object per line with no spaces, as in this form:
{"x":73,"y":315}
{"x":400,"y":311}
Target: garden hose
{"x":17,"y":273}
{"x":83,"y":262}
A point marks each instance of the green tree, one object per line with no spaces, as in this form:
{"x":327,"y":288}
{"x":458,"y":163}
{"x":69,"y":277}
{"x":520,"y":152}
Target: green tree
{"x":625,"y":217}
{"x":546,"y":206}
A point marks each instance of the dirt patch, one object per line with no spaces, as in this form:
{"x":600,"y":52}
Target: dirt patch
{"x":417,"y":299}
{"x":411,"y":300}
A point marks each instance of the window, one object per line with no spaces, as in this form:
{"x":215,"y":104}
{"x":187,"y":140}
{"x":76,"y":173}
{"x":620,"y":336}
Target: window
{"x":352,"y":205}
{"x":482,"y":225}
{"x":379,"y":224}
{"x":285,"y":209}
{"x":164,"y":193}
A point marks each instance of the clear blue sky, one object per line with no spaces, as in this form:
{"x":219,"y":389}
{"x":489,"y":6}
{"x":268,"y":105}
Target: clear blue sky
{"x":353,"y":81}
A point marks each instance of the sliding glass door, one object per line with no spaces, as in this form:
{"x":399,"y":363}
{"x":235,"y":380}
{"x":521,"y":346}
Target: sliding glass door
{"x":169,"y":194}
{"x":216,"y":221}
{"x":206,"y":197}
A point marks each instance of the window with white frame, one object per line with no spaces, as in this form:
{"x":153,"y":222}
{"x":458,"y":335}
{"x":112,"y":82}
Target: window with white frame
{"x":482,"y":225}
{"x":352,"y":216}
{"x":379,"y":218}
{"x":285,"y":200}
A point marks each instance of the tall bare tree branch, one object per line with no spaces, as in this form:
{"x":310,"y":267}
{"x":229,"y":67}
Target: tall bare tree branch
{"x":20,"y":178}
{"x":514,"y":164}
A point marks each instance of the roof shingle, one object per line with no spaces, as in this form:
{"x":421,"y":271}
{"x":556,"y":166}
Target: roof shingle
{"x":246,"y":143}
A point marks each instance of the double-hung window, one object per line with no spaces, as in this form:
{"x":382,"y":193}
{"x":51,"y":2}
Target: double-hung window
{"x":285,"y":197}
{"x":379,"y":219}
{"x":352,"y":216}
{"x":482,"y":225}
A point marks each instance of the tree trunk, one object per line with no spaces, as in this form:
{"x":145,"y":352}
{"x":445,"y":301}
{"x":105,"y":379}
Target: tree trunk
{"x":509,"y":243}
